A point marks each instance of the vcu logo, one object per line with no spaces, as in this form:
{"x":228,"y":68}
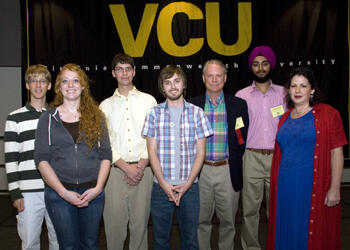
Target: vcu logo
{"x":136,"y":46}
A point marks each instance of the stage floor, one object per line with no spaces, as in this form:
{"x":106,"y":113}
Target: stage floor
{"x":10,"y":241}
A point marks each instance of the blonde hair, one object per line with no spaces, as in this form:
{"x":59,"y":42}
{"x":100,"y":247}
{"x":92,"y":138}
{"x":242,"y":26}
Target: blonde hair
{"x":35,"y":70}
{"x":91,"y":119}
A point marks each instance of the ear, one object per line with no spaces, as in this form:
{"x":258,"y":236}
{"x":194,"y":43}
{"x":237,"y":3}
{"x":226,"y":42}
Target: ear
{"x":312,"y":91}
{"x":27,"y":85}
{"x":113,"y":74}
{"x":49,"y":86}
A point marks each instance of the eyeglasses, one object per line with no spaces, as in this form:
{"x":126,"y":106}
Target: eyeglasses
{"x":121,"y":69}
{"x":41,"y":81}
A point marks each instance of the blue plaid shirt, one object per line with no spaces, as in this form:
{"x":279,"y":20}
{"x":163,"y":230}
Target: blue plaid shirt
{"x":194,"y":125}
{"x":217,"y":145}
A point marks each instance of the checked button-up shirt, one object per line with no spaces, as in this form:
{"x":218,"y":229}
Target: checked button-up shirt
{"x":194,"y":125}
{"x":217,"y":145}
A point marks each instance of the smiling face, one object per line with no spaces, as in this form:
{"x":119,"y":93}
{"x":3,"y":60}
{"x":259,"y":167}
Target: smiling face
{"x":300,"y":90}
{"x":70,"y":85}
{"x":173,"y":87}
{"x":214,"y":78}
{"x":38,"y":86}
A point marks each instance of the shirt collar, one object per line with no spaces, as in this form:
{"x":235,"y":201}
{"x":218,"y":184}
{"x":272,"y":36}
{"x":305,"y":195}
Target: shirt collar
{"x":165,"y":105}
{"x":219,"y":99}
{"x":272,"y":87}
{"x":31,"y":108}
{"x":132,"y":92}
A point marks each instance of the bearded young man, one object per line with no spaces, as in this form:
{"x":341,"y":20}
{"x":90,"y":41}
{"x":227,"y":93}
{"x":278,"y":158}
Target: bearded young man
{"x":176,"y":134}
{"x":266,"y":103}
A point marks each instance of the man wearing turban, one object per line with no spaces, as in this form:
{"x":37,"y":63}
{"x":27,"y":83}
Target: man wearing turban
{"x":265,"y":105}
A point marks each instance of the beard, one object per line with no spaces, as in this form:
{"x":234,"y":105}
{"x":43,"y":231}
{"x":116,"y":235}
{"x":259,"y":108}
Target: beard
{"x":174,"y":98}
{"x":259,"y":79}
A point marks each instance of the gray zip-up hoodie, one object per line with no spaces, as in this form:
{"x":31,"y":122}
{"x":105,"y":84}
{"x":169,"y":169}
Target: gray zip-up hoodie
{"x":72,"y":163}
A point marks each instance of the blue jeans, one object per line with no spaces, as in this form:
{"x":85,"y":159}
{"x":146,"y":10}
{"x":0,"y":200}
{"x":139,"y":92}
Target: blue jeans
{"x":76,"y":228}
{"x":187,"y":213}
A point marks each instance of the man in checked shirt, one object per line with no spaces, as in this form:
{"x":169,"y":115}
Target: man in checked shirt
{"x":220,"y":180}
{"x":176,"y":134}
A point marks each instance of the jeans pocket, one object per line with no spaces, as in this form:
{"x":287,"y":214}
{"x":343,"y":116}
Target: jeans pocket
{"x":193,"y":189}
{"x":101,"y":196}
{"x":156,"y":187}
{"x":51,"y":195}
{"x":20,"y":225}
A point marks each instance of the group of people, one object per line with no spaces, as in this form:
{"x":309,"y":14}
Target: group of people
{"x":130,"y":157}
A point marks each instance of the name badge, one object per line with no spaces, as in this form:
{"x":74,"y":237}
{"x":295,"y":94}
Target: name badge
{"x":239,"y":123}
{"x":277,"y":111}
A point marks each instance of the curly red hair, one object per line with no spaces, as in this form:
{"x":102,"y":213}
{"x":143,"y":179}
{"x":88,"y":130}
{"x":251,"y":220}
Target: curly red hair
{"x":91,"y":117}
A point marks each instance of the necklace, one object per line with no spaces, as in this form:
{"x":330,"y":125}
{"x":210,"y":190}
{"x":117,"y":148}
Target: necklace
{"x":300,"y":114}
{"x":67,"y":112}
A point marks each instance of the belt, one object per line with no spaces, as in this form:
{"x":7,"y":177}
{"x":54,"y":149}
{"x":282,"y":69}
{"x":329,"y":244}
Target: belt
{"x":261,"y":151}
{"x":128,"y":162}
{"x":216,"y":163}
{"x":132,"y":162}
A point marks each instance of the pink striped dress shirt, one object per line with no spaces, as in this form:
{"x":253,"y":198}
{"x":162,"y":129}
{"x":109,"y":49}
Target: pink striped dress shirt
{"x":262,"y":125}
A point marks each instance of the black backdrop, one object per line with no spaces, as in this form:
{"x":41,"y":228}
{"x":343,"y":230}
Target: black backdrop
{"x":157,"y":33}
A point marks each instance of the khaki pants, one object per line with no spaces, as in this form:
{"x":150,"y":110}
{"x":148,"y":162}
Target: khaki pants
{"x":216,"y":194}
{"x":256,"y":179}
{"x":127,"y":205}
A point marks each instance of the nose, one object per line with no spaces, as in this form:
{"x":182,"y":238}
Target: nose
{"x":70,"y":83}
{"x":37,"y":84}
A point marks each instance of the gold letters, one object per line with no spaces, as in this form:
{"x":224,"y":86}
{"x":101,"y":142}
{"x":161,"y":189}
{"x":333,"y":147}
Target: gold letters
{"x":164,"y":32}
{"x":244,"y":29}
{"x":136,"y":47}
{"x":133,"y":47}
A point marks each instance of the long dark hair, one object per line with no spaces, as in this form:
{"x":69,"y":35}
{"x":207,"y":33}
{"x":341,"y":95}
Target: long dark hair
{"x":308,"y":73}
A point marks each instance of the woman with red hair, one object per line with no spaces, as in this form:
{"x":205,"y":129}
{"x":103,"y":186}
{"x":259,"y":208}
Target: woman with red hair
{"x":73,"y":155}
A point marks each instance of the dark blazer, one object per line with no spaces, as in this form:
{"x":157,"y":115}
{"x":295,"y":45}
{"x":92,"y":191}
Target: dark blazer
{"x":235,"y":107}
